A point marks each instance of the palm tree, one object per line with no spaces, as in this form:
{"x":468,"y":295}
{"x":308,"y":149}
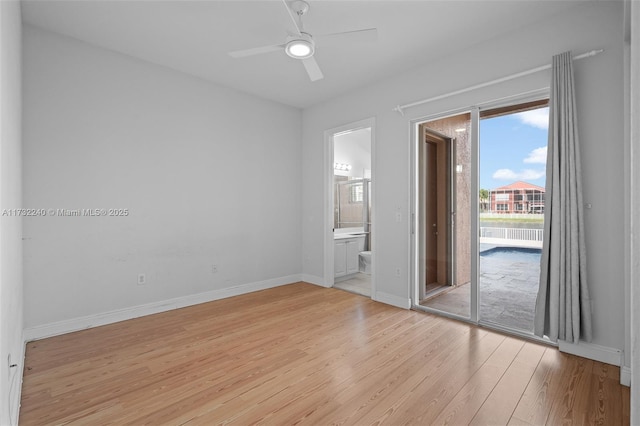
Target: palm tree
{"x":484,"y":199}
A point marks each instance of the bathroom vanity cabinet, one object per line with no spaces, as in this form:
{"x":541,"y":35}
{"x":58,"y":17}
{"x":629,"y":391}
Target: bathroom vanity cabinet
{"x":346,"y":251}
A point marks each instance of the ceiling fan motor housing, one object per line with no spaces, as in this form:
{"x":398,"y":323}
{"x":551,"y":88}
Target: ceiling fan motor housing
{"x":300,"y":46}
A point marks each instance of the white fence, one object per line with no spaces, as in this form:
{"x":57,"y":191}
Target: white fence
{"x":507,"y":216}
{"x":516,"y":237}
{"x":512,"y":233}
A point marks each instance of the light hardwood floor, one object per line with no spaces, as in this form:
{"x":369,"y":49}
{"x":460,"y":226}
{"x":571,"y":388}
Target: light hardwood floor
{"x":306,"y":354}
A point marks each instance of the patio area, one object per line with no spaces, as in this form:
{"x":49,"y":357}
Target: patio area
{"x":508,"y":288}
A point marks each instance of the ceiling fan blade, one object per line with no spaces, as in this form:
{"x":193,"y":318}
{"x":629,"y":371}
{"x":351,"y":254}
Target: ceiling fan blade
{"x":364,"y":35}
{"x":256,"y":51}
{"x":293,"y":18}
{"x":313,"y":69}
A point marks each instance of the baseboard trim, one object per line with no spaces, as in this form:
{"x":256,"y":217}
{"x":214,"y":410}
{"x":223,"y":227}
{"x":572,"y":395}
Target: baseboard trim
{"x":391,"y":299}
{"x":625,"y":376}
{"x":313,"y":279}
{"x":592,"y":351}
{"x":90,"y":321}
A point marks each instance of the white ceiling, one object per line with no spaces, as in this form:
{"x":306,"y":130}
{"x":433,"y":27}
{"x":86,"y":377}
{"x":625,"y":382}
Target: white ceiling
{"x":195,"y":36}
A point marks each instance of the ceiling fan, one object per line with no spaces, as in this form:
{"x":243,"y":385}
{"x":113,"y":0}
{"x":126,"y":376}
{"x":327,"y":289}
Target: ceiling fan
{"x":301,"y":44}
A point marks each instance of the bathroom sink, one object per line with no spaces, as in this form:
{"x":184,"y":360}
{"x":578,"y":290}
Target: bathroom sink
{"x":348,"y":235}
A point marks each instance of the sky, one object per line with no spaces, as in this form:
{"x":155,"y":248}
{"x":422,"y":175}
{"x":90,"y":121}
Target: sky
{"x":514,"y":148}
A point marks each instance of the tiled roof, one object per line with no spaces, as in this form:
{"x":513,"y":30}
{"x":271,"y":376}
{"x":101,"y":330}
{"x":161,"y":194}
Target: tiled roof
{"x":520,"y":185}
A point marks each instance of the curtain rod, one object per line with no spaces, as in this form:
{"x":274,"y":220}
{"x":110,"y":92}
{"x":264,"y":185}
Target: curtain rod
{"x":401,"y":108}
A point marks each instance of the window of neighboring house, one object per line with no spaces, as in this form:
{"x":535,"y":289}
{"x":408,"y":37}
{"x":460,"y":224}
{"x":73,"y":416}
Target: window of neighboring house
{"x":519,"y":207}
{"x":503,"y":207}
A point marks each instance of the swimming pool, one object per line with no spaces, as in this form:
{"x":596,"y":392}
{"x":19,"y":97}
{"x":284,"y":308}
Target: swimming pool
{"x":513,"y":254}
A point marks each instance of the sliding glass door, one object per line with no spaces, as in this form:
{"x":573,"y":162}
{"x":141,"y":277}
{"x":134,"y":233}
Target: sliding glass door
{"x":479,"y":180}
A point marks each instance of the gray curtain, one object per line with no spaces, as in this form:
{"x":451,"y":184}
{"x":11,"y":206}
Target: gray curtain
{"x":563,"y":307}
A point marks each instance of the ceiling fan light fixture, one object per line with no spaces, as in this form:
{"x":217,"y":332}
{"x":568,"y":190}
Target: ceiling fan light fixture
{"x":299,"y":48}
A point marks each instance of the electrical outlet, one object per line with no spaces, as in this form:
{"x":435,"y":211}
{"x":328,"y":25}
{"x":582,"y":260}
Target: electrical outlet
{"x":398,"y":272}
{"x":214,"y":269}
{"x":142,"y":279}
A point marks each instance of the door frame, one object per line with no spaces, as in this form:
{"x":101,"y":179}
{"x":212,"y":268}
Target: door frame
{"x":328,"y":197}
{"x":450,"y":146}
{"x":415,"y":270}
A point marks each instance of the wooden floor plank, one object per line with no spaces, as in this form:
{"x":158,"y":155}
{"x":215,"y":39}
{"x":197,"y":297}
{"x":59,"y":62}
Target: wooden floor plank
{"x":335,"y":365}
{"x":568,"y":399}
{"x":305,"y":354}
{"x":464,"y":406}
{"x":390,"y":408}
{"x":382,"y":386}
{"x":424,"y":403}
{"x":604,"y":399}
{"x":499,"y":406}
{"x":307,"y":367}
{"x":541,"y":392}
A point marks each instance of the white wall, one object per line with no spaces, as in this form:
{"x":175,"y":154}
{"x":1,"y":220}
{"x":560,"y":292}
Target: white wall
{"x":353,"y":148}
{"x":584,"y":27}
{"x":210,"y":176}
{"x":11,"y":298}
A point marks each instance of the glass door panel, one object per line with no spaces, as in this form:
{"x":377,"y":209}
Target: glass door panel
{"x":444,"y":215}
{"x":512,"y":171}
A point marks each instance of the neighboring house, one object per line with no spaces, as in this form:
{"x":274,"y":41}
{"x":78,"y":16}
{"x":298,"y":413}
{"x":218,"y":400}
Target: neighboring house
{"x":518,"y":197}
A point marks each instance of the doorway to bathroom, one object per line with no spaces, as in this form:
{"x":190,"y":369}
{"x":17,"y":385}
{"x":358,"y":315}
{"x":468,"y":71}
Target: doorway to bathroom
{"x":350,"y":199}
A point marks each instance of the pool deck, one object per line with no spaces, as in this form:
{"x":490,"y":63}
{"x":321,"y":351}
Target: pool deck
{"x":508,"y":291}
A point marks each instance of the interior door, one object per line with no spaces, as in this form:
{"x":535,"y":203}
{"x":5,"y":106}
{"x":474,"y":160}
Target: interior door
{"x":431,"y":215}
{"x":438,"y":210}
